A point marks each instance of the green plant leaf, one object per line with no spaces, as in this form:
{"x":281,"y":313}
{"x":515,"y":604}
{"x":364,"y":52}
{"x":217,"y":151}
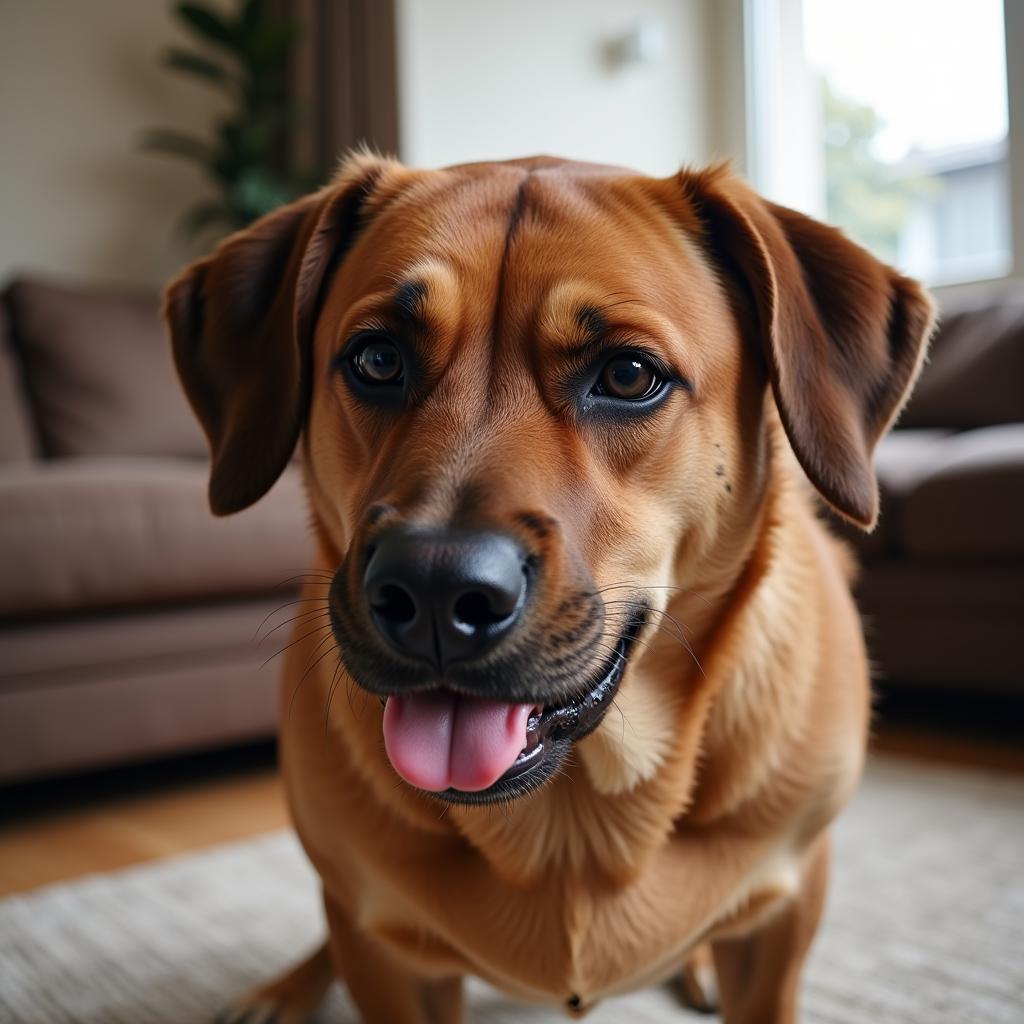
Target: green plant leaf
{"x":241,"y":158}
{"x":197,"y":64}
{"x":209,"y":24}
{"x":269,"y":48}
{"x":166,"y":140}
{"x":259,"y":190}
{"x":253,"y":15}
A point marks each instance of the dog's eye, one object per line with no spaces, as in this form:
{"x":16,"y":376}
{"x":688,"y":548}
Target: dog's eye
{"x":378,"y":361}
{"x":629,"y":377}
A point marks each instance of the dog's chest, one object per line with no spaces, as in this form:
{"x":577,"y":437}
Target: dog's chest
{"x":568,"y":939}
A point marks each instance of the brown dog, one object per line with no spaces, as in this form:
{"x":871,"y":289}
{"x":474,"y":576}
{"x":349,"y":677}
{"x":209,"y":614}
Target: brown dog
{"x":549,"y":413}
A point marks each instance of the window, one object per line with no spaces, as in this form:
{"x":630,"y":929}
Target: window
{"x":889,"y":118}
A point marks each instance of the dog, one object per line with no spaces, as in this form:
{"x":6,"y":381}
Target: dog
{"x":577,"y":683}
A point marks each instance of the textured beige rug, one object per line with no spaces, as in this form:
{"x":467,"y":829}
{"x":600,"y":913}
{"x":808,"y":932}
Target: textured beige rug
{"x":925,"y":923}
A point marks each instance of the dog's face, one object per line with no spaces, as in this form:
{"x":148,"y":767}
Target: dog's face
{"x":533,"y":403}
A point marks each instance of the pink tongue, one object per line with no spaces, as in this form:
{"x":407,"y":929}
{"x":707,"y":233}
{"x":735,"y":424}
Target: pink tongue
{"x":442,"y":740}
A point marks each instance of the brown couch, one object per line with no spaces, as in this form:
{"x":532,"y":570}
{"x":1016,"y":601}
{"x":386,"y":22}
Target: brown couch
{"x":127,"y":612}
{"x":942,"y":585}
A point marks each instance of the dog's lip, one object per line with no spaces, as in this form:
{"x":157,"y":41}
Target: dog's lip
{"x":556,"y":726}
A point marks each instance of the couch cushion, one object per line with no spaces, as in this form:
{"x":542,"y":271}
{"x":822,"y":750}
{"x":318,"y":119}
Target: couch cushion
{"x":17,"y":433}
{"x":970,"y":502}
{"x":901,"y":459}
{"x":99,"y":372}
{"x":975,"y":372}
{"x":89,"y":533}
{"x":101,"y":688}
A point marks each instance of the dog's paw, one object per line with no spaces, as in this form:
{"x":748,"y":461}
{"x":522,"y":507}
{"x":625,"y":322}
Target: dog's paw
{"x":696,"y":985}
{"x":254,"y":1013}
{"x":261,"y":1007}
{"x":292,"y":999}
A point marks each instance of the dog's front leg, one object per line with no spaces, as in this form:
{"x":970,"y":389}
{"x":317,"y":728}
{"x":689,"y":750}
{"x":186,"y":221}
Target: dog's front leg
{"x":384,"y":990}
{"x":290,"y":999}
{"x":759,"y":973}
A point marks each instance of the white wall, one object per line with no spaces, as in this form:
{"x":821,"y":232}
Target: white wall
{"x":486,"y":79}
{"x":79,"y":82}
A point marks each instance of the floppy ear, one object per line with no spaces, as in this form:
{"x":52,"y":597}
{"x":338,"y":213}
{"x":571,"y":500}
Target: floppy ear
{"x":241,"y":323}
{"x":843,"y":335}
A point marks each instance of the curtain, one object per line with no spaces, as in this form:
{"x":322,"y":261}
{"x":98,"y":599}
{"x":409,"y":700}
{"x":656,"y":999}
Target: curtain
{"x":344,"y":78}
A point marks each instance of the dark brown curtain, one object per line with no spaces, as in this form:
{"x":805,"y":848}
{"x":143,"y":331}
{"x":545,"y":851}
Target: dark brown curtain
{"x":345,"y":78}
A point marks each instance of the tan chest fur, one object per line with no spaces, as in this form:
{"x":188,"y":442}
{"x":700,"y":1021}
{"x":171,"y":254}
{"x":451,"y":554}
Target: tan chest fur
{"x":585,"y":890}
{"x":439,"y":906}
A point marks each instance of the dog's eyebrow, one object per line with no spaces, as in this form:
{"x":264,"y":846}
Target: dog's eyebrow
{"x":594,"y":325}
{"x":408,"y":299}
{"x":593,"y":321}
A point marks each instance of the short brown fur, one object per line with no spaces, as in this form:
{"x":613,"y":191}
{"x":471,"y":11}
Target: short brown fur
{"x":698,"y":811}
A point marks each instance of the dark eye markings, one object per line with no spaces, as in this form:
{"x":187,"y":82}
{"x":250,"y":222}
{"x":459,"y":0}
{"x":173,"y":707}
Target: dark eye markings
{"x":626,"y":383}
{"x":378,"y":366}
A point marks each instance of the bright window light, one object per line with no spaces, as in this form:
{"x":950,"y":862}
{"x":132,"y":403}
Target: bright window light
{"x":912,"y":99}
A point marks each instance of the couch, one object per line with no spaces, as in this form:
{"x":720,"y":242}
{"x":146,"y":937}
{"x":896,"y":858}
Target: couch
{"x":942,"y":578}
{"x":128,"y":614}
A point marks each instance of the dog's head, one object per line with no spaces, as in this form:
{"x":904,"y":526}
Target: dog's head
{"x":533,"y":399}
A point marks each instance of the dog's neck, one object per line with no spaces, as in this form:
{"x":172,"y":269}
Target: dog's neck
{"x":662,"y":759}
{"x":661,"y":755}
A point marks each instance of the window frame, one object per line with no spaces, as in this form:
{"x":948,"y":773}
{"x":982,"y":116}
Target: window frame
{"x":756,"y":79}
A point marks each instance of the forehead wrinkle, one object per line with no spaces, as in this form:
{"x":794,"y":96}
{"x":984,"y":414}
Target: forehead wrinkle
{"x":516,"y":211}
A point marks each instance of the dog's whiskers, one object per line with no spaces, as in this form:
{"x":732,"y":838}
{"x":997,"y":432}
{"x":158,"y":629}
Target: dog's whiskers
{"x":310,"y":615}
{"x":678,"y":634}
{"x":680,"y":640}
{"x":310,"y":665}
{"x":330,"y":697}
{"x":625,"y":721}
{"x":314,"y":575}
{"x":653,"y":611}
{"x":281,"y":607}
{"x":299,"y":639}
{"x":632,"y":585}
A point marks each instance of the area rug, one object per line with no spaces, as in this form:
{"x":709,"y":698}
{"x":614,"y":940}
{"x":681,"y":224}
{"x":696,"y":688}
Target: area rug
{"x":925,"y":923}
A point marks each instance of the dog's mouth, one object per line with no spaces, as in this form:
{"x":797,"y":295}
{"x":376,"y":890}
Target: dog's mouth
{"x":472,"y":750}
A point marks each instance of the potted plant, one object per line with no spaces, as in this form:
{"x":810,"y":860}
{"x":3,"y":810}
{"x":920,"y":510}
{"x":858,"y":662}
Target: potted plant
{"x":246,"y":55}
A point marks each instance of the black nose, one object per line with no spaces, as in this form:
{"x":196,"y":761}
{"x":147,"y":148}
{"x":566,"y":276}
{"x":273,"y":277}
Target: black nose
{"x":443,"y":596}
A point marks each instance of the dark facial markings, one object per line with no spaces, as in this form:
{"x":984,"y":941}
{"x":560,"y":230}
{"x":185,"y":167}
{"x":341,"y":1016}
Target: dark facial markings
{"x":615,"y":379}
{"x":379,"y":358}
{"x":408,"y":302}
{"x":592,"y":322}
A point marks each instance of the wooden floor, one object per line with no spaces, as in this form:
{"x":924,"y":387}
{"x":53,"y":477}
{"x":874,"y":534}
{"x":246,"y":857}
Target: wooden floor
{"x":49,"y":833}
{"x":55,"y":831}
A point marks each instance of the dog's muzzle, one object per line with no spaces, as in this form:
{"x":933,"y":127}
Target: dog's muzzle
{"x":447,"y":608}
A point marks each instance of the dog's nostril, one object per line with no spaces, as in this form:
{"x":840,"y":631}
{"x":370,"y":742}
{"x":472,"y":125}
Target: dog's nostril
{"x":475,"y":610}
{"x":394,"y":604}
